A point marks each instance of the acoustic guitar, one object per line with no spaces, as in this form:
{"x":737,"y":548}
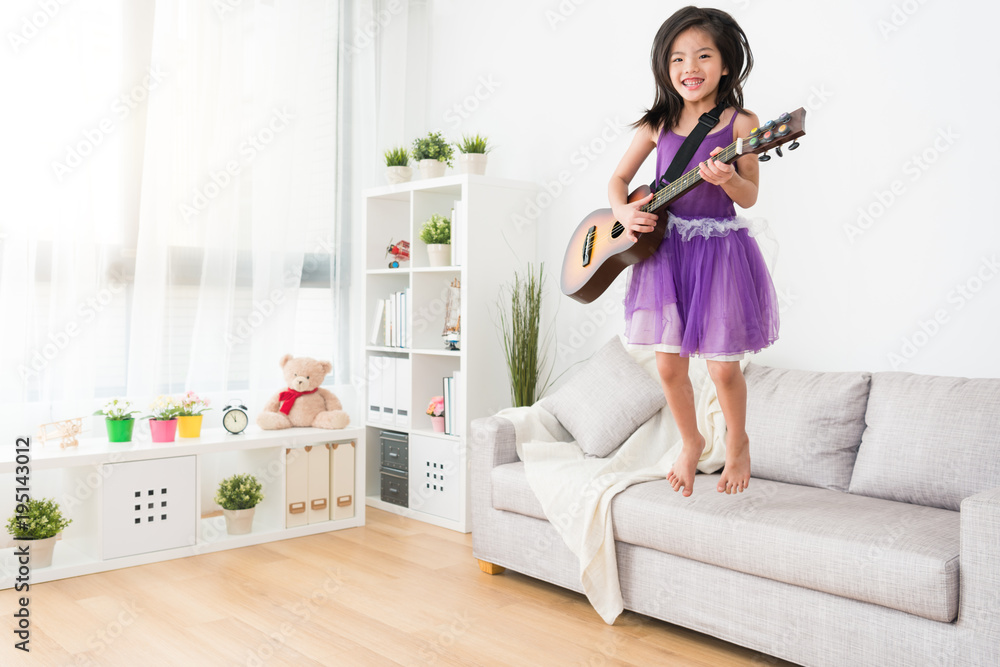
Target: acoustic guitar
{"x":600,"y":250}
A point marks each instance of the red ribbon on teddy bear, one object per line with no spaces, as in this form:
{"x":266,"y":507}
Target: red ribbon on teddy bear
{"x":289,"y":396}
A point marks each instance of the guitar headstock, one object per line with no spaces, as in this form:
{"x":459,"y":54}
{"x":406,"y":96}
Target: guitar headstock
{"x":774,"y":133}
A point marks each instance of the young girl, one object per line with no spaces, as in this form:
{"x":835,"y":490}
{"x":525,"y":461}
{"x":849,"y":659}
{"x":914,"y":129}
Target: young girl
{"x":706,"y":292}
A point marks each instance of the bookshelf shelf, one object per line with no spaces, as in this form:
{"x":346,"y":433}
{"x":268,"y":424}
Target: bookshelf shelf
{"x":488,"y":246}
{"x":80,"y":476}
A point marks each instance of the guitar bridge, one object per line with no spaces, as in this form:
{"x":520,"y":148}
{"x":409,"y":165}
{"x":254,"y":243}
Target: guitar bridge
{"x":588,"y":244}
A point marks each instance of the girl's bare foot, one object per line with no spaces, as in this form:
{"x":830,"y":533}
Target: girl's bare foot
{"x":736,"y":474}
{"x":683,"y":471}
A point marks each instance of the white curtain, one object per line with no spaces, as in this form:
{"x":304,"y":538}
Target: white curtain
{"x":172,"y":219}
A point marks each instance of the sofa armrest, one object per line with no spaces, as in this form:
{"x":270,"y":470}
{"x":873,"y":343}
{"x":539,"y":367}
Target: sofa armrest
{"x":493,"y":441}
{"x":492,"y":444}
{"x":979,"y":597}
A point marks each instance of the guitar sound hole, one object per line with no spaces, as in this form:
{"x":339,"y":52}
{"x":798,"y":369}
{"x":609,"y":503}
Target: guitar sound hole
{"x":617,"y":229}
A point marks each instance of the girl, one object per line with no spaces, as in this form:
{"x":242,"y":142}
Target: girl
{"x":706,"y":292}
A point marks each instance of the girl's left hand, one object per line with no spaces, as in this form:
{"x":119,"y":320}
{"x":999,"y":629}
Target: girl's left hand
{"x":716,"y":172}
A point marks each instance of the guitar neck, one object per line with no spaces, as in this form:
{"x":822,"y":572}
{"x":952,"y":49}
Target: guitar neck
{"x":670,"y":192}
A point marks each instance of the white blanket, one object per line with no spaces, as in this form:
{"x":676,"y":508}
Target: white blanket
{"x":576,"y":491}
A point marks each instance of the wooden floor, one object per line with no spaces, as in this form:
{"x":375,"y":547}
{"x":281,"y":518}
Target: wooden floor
{"x":394,"y":592}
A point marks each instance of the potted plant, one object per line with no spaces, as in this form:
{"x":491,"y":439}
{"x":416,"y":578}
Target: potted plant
{"x":397,"y":163}
{"x":472,"y":158}
{"x":163,"y":420}
{"x":238,"y":496}
{"x":436,"y":411}
{"x":36,"y":525}
{"x":432,"y":153}
{"x":520,"y":317}
{"x":118,"y":419}
{"x":189,"y":415}
{"x":436,"y":233}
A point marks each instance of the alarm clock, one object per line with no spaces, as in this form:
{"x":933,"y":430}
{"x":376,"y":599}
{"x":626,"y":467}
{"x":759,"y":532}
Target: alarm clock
{"x":234,"y":417}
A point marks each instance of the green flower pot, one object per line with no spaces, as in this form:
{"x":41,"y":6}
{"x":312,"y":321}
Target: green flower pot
{"x":120,"y":430}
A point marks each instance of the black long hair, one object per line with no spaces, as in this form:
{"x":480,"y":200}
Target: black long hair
{"x":733,"y":47}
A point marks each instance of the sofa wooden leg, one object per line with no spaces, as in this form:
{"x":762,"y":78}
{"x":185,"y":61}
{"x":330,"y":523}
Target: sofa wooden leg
{"x":490,"y":568}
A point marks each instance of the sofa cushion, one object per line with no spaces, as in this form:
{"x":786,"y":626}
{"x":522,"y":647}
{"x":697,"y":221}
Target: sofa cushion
{"x":804,"y":426}
{"x":929,"y":440}
{"x":604,"y":402}
{"x":897,"y":555}
{"x":901,"y":556}
{"x":511,"y":491}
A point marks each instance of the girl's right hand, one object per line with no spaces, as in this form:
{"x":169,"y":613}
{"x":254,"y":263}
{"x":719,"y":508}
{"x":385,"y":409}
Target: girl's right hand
{"x":635,"y":221}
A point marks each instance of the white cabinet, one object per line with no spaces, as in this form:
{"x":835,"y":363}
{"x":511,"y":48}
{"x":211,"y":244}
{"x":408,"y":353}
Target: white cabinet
{"x":174,"y":514}
{"x":493,"y":238}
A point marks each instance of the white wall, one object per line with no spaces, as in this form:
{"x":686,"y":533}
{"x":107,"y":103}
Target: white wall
{"x":882,"y":82}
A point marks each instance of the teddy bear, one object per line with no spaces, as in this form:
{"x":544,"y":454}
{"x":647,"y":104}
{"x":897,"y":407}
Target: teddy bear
{"x":304,"y":402}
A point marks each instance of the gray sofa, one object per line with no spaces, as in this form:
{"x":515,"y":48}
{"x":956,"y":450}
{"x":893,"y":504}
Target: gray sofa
{"x":869,"y":534}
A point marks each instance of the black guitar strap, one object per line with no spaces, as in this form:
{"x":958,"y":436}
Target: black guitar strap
{"x":708,"y":120}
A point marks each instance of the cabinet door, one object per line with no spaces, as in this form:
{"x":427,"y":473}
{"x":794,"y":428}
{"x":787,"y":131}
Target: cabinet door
{"x":148,"y":506}
{"x":319,"y":483}
{"x":434,"y":476}
{"x":296,"y":487}
{"x":342,"y":480}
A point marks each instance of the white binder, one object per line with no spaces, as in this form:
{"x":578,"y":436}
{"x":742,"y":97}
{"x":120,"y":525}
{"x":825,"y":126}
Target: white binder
{"x":342,"y":480}
{"x":389,"y":391}
{"x":403,"y":377}
{"x":375,"y":369}
{"x":318,"y":460}
{"x":296,"y":487}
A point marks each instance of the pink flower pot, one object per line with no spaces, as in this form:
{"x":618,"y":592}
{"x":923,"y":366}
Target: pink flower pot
{"x":163,"y":431}
{"x":437,"y":423}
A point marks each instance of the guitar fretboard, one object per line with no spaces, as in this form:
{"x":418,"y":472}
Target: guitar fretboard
{"x":674,"y":190}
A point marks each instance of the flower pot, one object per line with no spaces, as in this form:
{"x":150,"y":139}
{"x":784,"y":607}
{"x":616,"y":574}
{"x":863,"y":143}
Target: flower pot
{"x":437,"y":423}
{"x":439,"y":254}
{"x":163,"y":430}
{"x":472,"y":163}
{"x":39,"y":551}
{"x":431,"y":168}
{"x":119,"y":430}
{"x":239,"y":522}
{"x":189,"y":426}
{"x":394,"y":175}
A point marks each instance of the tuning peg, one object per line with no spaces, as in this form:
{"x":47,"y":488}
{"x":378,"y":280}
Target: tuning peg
{"x":792,"y":146}
{"x":784,"y":117}
{"x":764,"y":157}
{"x":778,"y":151}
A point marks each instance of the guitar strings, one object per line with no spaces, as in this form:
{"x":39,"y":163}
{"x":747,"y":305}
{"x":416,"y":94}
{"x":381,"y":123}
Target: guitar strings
{"x":668,"y":192}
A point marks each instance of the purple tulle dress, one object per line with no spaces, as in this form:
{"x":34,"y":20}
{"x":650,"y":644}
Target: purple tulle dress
{"x":706,"y":292}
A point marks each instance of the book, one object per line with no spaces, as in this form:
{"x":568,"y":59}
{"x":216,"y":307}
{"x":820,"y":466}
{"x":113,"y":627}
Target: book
{"x":458,"y":425}
{"x":446,"y":390}
{"x":377,"y":320}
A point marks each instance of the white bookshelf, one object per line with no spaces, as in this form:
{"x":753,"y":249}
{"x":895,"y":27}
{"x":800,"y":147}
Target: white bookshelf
{"x":74,"y":477}
{"x":494,"y":245}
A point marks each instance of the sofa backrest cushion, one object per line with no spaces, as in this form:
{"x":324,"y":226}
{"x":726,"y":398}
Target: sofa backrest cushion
{"x":605,"y":401}
{"x":805,"y":426}
{"x":930,"y":440}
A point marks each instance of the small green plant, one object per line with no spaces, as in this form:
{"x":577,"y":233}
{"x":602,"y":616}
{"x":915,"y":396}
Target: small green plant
{"x":476,"y":144}
{"x":37,"y":519}
{"x":436,"y":230}
{"x":239,"y":492}
{"x":117,"y":410}
{"x":397,"y":157}
{"x":432,"y":147}
{"x":520,"y":318}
